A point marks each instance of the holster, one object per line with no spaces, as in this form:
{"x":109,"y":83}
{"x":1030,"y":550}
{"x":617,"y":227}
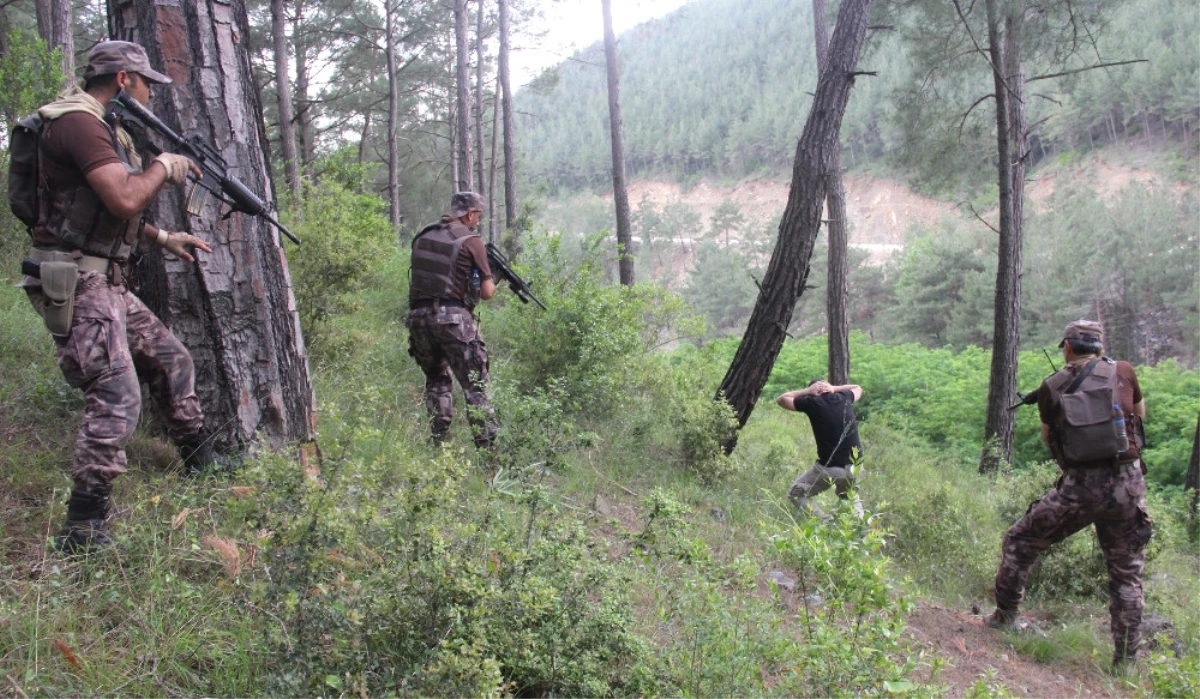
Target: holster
{"x":59,"y":280}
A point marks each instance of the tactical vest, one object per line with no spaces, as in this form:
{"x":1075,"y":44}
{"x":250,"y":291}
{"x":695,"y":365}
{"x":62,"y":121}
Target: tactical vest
{"x":435,"y":253}
{"x":77,"y":218}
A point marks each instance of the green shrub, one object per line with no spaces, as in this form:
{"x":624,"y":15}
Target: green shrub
{"x":347,"y":240}
{"x":591,"y":337}
{"x":393,"y":574}
{"x":850,"y":621}
{"x":1171,"y":676}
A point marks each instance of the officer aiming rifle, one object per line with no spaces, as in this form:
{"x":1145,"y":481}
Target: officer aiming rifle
{"x":216,"y":178}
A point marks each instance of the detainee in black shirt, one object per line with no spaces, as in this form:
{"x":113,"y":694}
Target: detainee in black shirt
{"x":830,"y":411}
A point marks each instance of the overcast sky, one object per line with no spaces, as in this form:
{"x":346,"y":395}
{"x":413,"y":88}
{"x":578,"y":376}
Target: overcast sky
{"x":573,"y":24}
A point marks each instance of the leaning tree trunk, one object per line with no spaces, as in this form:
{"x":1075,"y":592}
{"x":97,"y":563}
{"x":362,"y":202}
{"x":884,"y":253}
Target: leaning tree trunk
{"x":784,"y":281}
{"x":510,"y":175}
{"x":1009,"y":83}
{"x":462,"y":102}
{"x":283,"y":91}
{"x":234,"y":307}
{"x":54,"y":27}
{"x":835,"y":202}
{"x":617,"y":129}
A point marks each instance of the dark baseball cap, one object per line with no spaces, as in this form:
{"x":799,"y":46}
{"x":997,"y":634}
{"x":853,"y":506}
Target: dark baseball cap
{"x":1086,"y":330}
{"x":109,"y":57}
{"x":463,"y":203}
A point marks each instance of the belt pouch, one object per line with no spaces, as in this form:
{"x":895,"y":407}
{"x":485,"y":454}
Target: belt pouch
{"x":59,"y":280}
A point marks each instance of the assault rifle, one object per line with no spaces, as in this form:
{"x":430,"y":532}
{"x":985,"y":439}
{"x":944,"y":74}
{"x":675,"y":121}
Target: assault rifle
{"x":216,"y":179}
{"x":1031,"y":398}
{"x":501,"y":270}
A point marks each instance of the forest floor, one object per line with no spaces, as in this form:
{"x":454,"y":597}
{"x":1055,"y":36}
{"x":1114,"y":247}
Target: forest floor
{"x":971,"y":652}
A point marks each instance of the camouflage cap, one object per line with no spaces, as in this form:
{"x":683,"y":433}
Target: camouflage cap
{"x":463,"y":203}
{"x":1086,"y":330}
{"x":109,"y":57}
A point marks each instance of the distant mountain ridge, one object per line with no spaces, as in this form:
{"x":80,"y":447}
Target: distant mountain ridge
{"x":721,"y":89}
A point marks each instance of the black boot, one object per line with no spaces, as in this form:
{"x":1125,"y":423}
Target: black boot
{"x":197,"y":452}
{"x":86,"y":528}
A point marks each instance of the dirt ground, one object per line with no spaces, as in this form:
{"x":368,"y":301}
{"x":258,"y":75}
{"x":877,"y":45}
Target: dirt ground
{"x":880,"y":211}
{"x":971,"y":651}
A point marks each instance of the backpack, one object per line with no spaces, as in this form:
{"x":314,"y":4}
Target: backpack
{"x":1088,"y":430}
{"x":23,"y":169}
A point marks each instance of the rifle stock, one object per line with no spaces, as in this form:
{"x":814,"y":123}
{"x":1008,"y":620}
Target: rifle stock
{"x":216,"y":179}
{"x":501,"y":269}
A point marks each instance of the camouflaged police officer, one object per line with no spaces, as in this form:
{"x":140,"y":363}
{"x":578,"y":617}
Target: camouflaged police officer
{"x":1108,"y":493}
{"x":450,"y":275}
{"x":90,"y":218}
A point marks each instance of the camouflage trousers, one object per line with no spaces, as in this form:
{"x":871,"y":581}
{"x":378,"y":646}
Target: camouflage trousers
{"x":1113,"y":500}
{"x":447,"y":344}
{"x":114,"y":345}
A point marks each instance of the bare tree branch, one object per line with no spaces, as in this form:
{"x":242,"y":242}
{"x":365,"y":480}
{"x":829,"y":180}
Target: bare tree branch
{"x":1084,"y":69}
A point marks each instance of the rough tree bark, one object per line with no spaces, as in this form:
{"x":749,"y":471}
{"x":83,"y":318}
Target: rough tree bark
{"x":510,"y":176}
{"x":617,"y":129}
{"x":462,"y":102}
{"x":1009,"y":79}
{"x":393,"y":120}
{"x":54,"y":26}
{"x":234,"y":307}
{"x":786,"y":273}
{"x":283,"y":91}
{"x":836,"y":318}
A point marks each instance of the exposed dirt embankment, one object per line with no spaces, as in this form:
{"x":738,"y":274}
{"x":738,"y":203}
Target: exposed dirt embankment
{"x":880,"y":211}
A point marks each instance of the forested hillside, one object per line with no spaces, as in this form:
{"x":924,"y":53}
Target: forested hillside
{"x":606,"y":543}
{"x":721,"y":88}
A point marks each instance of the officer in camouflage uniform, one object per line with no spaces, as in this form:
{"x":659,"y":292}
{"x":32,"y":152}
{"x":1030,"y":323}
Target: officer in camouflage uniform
{"x":450,"y":274}
{"x":1109,"y":495}
{"x":93,"y":188}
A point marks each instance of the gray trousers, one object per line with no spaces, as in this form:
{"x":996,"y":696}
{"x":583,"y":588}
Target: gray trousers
{"x":817,"y":480}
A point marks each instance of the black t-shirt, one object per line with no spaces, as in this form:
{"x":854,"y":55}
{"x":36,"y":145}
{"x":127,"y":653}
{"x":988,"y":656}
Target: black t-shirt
{"x":834,"y":426}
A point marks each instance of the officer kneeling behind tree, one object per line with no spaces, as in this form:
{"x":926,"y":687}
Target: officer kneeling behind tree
{"x":92,"y":191}
{"x":1091,"y":413}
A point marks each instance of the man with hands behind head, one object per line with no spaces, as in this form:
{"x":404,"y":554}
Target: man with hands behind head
{"x":830,"y":411}
{"x":92,"y":191}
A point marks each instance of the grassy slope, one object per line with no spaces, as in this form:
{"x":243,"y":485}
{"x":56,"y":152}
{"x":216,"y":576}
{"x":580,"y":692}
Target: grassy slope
{"x":168,"y":614}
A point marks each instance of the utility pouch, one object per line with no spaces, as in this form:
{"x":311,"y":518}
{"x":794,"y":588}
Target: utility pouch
{"x":59,"y":280}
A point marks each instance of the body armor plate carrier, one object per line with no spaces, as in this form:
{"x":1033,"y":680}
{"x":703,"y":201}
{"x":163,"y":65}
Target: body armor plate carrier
{"x":78,"y":220}
{"x":435,"y":253}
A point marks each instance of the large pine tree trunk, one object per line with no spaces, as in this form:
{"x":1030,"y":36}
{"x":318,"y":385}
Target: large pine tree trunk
{"x":233,"y":308}
{"x":788,"y":269}
{"x":836,"y":318}
{"x":617,"y":129}
{"x":283,"y":88}
{"x":1009,"y":83}
{"x":54,"y":26}
{"x":510,"y":175}
{"x":462,"y":102}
